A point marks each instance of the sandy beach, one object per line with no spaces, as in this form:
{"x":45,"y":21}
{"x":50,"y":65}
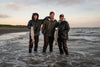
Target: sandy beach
{"x":12,"y":30}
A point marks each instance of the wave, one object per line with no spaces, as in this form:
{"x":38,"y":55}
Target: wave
{"x":85,"y":35}
{"x":84,"y":40}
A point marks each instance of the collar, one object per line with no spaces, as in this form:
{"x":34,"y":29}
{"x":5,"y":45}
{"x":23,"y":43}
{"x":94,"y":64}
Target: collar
{"x":51,"y":20}
{"x":61,"y":21}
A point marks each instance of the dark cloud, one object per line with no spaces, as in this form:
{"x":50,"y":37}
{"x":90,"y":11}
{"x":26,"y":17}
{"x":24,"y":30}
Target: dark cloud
{"x":4,"y":16}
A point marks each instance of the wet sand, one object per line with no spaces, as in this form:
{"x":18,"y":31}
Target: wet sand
{"x":12,"y":30}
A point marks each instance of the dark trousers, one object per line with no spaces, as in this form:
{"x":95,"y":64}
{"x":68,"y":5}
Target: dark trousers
{"x":36,"y":38}
{"x":62,"y":43}
{"x":48,"y":40}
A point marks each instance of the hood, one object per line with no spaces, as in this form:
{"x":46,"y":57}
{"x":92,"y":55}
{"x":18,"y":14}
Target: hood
{"x":35,"y":14}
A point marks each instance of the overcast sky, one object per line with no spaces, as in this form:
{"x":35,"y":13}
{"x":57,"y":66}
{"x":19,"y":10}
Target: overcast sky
{"x":79,"y":13}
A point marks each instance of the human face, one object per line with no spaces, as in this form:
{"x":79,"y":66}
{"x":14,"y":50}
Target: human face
{"x":35,"y":17}
{"x":52,"y":16}
{"x":61,"y":18}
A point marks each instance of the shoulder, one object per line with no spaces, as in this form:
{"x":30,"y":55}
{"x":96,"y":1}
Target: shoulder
{"x":47,"y":17}
{"x":55,"y":20}
{"x":30,"y":21}
{"x":46,"y":20}
{"x":65,"y":22}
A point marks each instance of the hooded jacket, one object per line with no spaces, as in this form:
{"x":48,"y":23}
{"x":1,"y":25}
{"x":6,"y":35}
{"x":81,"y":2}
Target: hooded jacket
{"x":63,"y":29}
{"x":49,"y":26}
{"x":35,"y":23}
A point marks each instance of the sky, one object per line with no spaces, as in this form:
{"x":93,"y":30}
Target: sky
{"x":79,"y":13}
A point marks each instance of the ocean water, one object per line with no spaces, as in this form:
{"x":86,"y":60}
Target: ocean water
{"x":83,"y":45}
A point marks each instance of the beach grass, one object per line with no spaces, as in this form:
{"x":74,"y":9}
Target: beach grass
{"x":12,"y":26}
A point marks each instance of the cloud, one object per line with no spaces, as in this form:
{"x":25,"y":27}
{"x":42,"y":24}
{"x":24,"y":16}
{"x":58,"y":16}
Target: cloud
{"x":98,"y":19}
{"x":62,"y":2}
{"x":4,"y":16}
{"x":30,"y":4}
{"x":95,"y":3}
{"x":19,"y":6}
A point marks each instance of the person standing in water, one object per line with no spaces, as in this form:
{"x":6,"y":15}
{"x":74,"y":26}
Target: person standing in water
{"x":36,"y":24}
{"x":48,"y":30}
{"x":63,"y":29}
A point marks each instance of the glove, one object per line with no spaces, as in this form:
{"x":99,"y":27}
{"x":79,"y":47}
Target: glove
{"x":43,"y":33}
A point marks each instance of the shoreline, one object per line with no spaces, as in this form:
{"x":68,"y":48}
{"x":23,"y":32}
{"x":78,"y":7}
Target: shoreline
{"x":12,"y":30}
{"x":5,"y":30}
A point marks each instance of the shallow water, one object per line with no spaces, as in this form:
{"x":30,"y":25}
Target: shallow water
{"x":83,"y":44}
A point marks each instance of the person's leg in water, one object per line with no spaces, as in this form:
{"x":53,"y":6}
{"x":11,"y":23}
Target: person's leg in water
{"x":46,"y":42}
{"x":51,"y":39}
{"x":30,"y":45}
{"x":65,"y":46}
{"x":60,"y":46}
{"x":36,"y":43}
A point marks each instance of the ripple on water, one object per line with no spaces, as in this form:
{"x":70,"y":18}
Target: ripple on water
{"x":14,"y":53}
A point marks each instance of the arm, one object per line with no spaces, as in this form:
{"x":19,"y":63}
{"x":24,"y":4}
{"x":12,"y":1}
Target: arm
{"x":29,"y":24}
{"x":41,"y":21}
{"x":44,"y":26}
{"x":67,"y":27}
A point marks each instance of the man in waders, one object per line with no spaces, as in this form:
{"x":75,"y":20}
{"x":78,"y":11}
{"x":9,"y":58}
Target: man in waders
{"x":48,"y":30}
{"x":36,"y":24}
{"x":63,"y":29}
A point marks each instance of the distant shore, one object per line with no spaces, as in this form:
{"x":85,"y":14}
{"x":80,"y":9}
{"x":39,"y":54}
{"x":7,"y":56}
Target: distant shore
{"x":12,"y":30}
{"x":12,"y":26}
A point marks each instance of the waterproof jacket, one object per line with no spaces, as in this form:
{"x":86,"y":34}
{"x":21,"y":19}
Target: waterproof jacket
{"x":48,"y":27}
{"x":63,"y":29}
{"x":36,"y":24}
